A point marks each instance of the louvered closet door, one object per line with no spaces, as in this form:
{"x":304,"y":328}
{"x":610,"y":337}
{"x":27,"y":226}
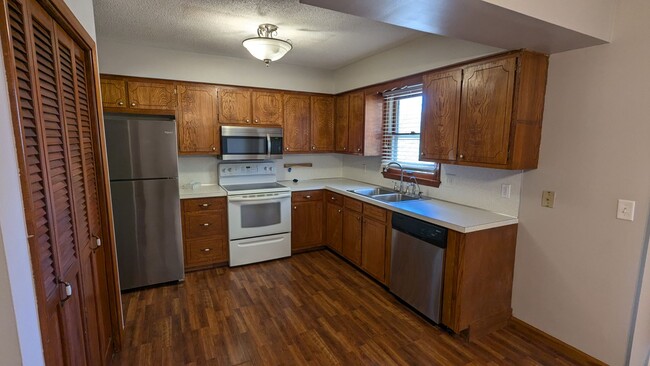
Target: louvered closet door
{"x":62,"y":207}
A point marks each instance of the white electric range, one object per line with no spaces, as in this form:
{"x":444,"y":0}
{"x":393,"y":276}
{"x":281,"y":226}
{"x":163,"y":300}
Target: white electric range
{"x":259,"y":212}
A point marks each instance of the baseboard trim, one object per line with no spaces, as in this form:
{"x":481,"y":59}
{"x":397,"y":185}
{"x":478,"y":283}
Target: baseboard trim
{"x":575,"y":354}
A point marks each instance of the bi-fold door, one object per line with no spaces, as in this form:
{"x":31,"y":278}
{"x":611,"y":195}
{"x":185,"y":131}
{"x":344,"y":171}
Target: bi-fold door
{"x":50,"y":78}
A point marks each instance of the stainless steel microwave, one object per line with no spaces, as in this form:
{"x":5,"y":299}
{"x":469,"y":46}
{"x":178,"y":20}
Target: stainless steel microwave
{"x":251,"y":143}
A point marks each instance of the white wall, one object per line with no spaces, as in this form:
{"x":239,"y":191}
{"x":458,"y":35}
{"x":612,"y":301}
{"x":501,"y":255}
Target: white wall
{"x":83,"y":10}
{"x":421,"y":54}
{"x":577,"y":266}
{"x":116,"y":57}
{"x":640,"y":346}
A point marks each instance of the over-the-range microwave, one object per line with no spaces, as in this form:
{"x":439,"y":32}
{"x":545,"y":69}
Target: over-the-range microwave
{"x":251,"y":143}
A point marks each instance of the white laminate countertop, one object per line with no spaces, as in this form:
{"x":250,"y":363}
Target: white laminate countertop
{"x":202,"y":191}
{"x":453,"y":216}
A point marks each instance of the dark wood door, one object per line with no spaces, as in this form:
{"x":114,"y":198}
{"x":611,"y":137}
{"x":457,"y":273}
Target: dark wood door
{"x":356,"y":123}
{"x":351,"y":238}
{"x":306,"y":225}
{"x":198,"y":126}
{"x":341,"y":123}
{"x":334,"y":218}
{"x":373,"y":248}
{"x":297,"y":115}
{"x":322,"y":123}
{"x":440,"y":112}
{"x":485,"y":112}
{"x":235,"y":106}
{"x":267,"y":108}
{"x":56,"y":136}
{"x":150,"y":95}
{"x":113,"y":93}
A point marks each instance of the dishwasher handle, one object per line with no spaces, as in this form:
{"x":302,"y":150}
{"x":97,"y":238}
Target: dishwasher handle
{"x":425,"y":231}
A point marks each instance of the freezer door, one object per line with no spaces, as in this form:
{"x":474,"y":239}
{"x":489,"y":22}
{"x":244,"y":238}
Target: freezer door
{"x":141,"y":147}
{"x":147,"y":232}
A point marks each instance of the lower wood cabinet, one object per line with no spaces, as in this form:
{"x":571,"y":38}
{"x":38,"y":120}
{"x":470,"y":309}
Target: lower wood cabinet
{"x":205,"y":232}
{"x":373,"y":247}
{"x":351,"y":243}
{"x":307,"y":219}
{"x":334,"y":221}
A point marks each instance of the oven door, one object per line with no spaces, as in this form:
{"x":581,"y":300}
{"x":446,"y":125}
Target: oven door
{"x":250,"y":143}
{"x":259,"y":214}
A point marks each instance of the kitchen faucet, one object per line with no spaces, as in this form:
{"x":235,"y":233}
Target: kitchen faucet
{"x":401,"y":173}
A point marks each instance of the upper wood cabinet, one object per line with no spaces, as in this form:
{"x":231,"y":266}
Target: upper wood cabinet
{"x":130,"y":95}
{"x":487,"y":113}
{"x":198,"y":127}
{"x":358,"y":123}
{"x":322,"y":123}
{"x":297,"y":121}
{"x":235,"y":106}
{"x":267,"y":108}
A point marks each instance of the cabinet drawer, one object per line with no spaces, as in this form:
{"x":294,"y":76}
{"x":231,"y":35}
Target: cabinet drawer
{"x":334,"y":198}
{"x":206,"y":251}
{"x":204,"y":204}
{"x":374,"y":212}
{"x":203,"y":224}
{"x":352,"y":204}
{"x":306,"y":196}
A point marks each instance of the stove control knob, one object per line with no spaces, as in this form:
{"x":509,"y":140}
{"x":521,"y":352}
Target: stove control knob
{"x":229,"y":169}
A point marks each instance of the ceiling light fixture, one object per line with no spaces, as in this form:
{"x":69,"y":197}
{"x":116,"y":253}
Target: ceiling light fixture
{"x":265,"y":47}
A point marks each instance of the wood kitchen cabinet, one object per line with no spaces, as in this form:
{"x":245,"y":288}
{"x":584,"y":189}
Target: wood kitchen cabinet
{"x":307,"y":220}
{"x":205,"y":232}
{"x":487,"y":113}
{"x":351,"y":239}
{"x":322,"y":123}
{"x":235,"y":106}
{"x":358,"y":123}
{"x":138,"y":95}
{"x":267,"y":108}
{"x":374,"y":234}
{"x":334,"y":221}
{"x":198,"y":126}
{"x":297,"y":122}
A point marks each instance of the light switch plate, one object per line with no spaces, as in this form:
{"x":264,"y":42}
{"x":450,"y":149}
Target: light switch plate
{"x":505,"y":190}
{"x":548,"y":199}
{"x":625,"y":210}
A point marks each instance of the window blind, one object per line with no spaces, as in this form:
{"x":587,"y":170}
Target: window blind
{"x":401,"y":131}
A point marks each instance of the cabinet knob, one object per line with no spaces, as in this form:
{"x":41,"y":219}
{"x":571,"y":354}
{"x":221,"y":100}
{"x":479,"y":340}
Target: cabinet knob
{"x":307,"y":196}
{"x":120,"y":103}
{"x":345,"y":148}
{"x":206,"y":224}
{"x":295,"y":207}
{"x":358,"y":149}
{"x":256,"y":121}
{"x":286,"y":148}
{"x":313,"y":147}
{"x":204,"y":205}
{"x":206,"y":250}
{"x":422,"y":153}
{"x":332,"y":198}
{"x":248,"y":121}
{"x":214,"y":148}
{"x":358,"y":218}
{"x":132,"y":104}
{"x":461,"y":156}
{"x":339,"y":211}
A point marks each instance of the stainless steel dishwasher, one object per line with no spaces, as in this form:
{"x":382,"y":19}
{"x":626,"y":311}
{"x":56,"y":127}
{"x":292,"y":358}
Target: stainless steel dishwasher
{"x":417,"y":261}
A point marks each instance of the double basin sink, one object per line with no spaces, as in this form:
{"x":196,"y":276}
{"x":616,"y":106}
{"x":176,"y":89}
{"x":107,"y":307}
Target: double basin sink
{"x":385,"y":195}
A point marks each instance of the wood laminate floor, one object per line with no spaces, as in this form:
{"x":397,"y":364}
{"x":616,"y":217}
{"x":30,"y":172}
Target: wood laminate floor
{"x":312,"y":308}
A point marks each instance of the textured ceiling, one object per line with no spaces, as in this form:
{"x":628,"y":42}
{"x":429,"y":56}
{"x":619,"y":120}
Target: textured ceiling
{"x":321,"y":38}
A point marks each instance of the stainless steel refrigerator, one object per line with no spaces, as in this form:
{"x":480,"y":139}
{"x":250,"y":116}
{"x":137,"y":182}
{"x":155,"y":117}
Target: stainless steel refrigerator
{"x":143,"y":169}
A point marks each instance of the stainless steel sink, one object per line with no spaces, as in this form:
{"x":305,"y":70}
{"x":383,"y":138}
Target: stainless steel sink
{"x":394,"y":197}
{"x":370,"y":192}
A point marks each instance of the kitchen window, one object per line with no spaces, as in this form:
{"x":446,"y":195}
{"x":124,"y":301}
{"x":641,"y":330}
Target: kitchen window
{"x":401,"y":142}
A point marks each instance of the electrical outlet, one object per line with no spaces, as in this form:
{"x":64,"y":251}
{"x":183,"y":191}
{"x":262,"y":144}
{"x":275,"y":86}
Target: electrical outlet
{"x":548,"y":199}
{"x":625,"y":210}
{"x":505,"y":190}
{"x":451,"y":178}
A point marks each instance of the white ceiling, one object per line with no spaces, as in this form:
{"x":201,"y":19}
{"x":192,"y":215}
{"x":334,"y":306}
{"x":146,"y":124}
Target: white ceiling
{"x":321,"y":38}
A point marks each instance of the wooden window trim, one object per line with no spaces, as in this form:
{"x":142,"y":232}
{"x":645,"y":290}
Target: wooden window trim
{"x":430,"y":179}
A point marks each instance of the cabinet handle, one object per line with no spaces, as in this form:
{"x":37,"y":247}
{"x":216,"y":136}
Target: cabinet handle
{"x":204,"y":205}
{"x":461,"y":156}
{"x":256,"y":121}
{"x":206,"y":224}
{"x":214,"y":148}
{"x":332,"y":198}
{"x":286,"y":148}
{"x":339,"y":211}
{"x":345,"y":148}
{"x":120,"y":103}
{"x":358,"y":149}
{"x":295,"y":207}
{"x":422,"y":153}
{"x":206,"y":250}
{"x":248,"y":121}
{"x":313,"y":147}
{"x":132,"y":104}
{"x":307,"y":196}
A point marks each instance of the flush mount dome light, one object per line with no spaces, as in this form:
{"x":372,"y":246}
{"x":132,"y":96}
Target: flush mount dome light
{"x":265,"y":47}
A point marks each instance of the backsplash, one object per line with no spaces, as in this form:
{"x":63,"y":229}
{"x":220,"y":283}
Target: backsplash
{"x":477,"y":187}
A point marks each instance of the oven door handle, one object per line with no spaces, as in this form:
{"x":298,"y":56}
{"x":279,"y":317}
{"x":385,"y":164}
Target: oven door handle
{"x":268,"y":146}
{"x":262,"y":198}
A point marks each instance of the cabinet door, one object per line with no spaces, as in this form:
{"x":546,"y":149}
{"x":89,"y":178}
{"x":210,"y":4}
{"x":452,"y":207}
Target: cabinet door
{"x":267,"y":108}
{"x":373,"y":248}
{"x":113,"y":93}
{"x":356,"y":123}
{"x":198,"y":130}
{"x":341,"y":123}
{"x":235,"y":106}
{"x":440,"y":113}
{"x":296,"y":122}
{"x":334,"y":219}
{"x":306,"y":225}
{"x":485,"y":111}
{"x":147,"y":95}
{"x":351,"y":243}
{"x":322,"y":123}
